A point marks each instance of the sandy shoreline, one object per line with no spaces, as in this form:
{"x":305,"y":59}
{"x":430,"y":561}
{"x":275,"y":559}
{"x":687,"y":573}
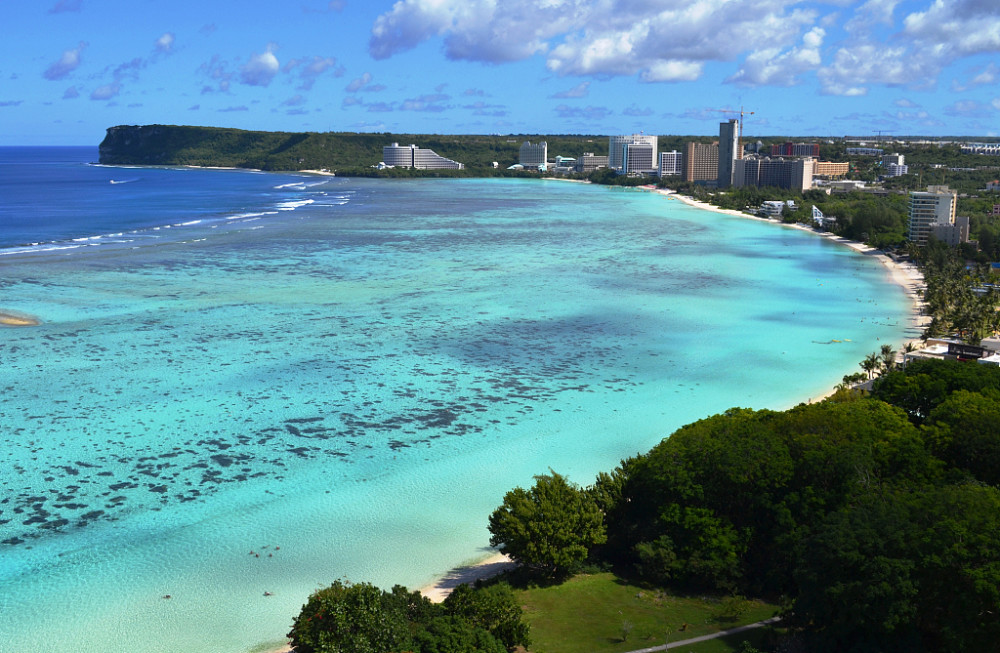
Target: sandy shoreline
{"x":906,"y":275}
{"x":441,"y":588}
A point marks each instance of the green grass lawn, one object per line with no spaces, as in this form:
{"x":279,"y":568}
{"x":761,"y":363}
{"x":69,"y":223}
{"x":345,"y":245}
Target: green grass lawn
{"x":591,"y":614}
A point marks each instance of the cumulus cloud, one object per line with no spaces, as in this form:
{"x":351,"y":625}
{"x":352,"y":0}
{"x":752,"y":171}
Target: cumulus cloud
{"x":363,"y":83}
{"x":67,"y":63}
{"x":482,"y":109}
{"x":636,"y":111}
{"x":294,"y":101}
{"x":106,"y":92}
{"x":567,"y":112}
{"x":871,"y":14}
{"x":381,"y":107}
{"x":432,"y":103}
{"x":969,"y":109}
{"x":924,"y":43}
{"x":10,"y":103}
{"x":216,"y":70}
{"x":311,"y":69}
{"x":672,"y":70}
{"x":165,"y":44}
{"x":261,"y":68}
{"x":661,"y":40}
{"x":987,"y":75}
{"x":772,"y":67}
{"x":580,"y":90}
{"x":777,"y":42}
{"x":71,"y":93}
{"x":906,"y":103}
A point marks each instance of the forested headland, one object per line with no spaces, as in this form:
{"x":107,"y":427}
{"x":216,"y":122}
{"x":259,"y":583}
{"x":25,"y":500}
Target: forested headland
{"x":350,"y":153}
{"x":874,"y":519}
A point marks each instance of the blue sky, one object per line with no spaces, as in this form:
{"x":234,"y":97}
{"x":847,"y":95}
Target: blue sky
{"x":71,"y":68}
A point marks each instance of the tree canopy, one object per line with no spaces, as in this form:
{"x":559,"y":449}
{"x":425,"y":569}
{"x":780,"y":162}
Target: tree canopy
{"x":551,"y":527}
{"x":361,"y":618}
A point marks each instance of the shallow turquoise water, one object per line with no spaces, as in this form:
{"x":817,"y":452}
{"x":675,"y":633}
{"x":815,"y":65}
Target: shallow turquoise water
{"x":348,"y":387}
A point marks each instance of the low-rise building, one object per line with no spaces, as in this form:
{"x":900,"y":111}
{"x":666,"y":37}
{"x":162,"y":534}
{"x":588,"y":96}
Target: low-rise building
{"x":411,"y":156}
{"x":951,"y":234}
{"x":588,"y":162}
{"x":865,"y":151}
{"x":830,"y":169}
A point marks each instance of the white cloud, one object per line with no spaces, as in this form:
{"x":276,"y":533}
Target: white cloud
{"x":566,"y":112}
{"x":580,"y":90}
{"x":870,"y":14}
{"x":987,"y":75}
{"x":261,"y":68}
{"x":358,"y":83}
{"x":165,"y":43}
{"x":106,"y":92}
{"x":312,"y":69}
{"x":672,"y":71}
{"x":429,"y":103}
{"x":906,"y":103}
{"x":67,"y":63}
{"x":661,"y":40}
{"x":772,"y":67}
{"x":780,"y":42}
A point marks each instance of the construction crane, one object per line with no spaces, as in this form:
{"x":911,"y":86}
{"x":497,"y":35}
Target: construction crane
{"x":742,"y":112}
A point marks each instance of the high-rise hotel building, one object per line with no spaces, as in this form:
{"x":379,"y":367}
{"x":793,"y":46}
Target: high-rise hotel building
{"x":617,"y":152}
{"x":533,"y":156}
{"x":935,"y":206}
{"x":729,"y":134}
{"x":701,"y":162}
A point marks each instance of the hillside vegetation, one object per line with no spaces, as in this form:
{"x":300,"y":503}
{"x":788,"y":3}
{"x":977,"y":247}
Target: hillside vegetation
{"x":335,"y":151}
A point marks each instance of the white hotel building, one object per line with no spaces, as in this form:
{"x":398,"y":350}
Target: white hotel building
{"x":618,"y":152}
{"x":411,"y":156}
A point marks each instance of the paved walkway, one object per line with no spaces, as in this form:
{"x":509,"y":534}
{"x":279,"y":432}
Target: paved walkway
{"x":695,"y":640}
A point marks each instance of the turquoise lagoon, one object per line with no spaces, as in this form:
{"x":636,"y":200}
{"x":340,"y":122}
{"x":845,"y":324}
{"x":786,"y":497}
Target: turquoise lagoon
{"x":306,"y":379}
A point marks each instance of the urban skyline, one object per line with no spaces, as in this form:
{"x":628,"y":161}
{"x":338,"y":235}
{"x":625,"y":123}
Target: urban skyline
{"x":812,"y":68}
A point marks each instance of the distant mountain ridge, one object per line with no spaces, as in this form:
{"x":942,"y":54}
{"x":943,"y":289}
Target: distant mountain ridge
{"x":336,"y":151}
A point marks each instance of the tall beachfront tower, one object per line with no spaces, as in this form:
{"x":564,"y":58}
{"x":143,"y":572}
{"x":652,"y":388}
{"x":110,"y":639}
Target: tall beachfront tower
{"x":616,"y":148}
{"x":701,"y":162}
{"x":729,"y":133}
{"x":935,"y":206}
{"x":533,"y":156}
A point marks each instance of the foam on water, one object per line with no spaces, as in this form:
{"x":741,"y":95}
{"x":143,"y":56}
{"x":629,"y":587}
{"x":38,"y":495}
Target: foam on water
{"x":348,"y":390}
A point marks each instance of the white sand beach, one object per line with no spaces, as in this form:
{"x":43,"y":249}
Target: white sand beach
{"x":491,"y":566}
{"x":441,"y":588}
{"x":904,"y":274}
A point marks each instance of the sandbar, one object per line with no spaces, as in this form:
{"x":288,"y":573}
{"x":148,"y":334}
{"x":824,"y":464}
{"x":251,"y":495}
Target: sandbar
{"x":14,"y":319}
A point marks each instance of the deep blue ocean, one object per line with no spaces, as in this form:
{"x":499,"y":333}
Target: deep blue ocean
{"x":246,"y":382}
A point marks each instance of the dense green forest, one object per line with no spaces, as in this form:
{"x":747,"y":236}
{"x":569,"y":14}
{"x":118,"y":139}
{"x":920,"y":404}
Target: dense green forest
{"x":874,"y":518}
{"x":878,"y":218}
{"x":351,"y":153}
